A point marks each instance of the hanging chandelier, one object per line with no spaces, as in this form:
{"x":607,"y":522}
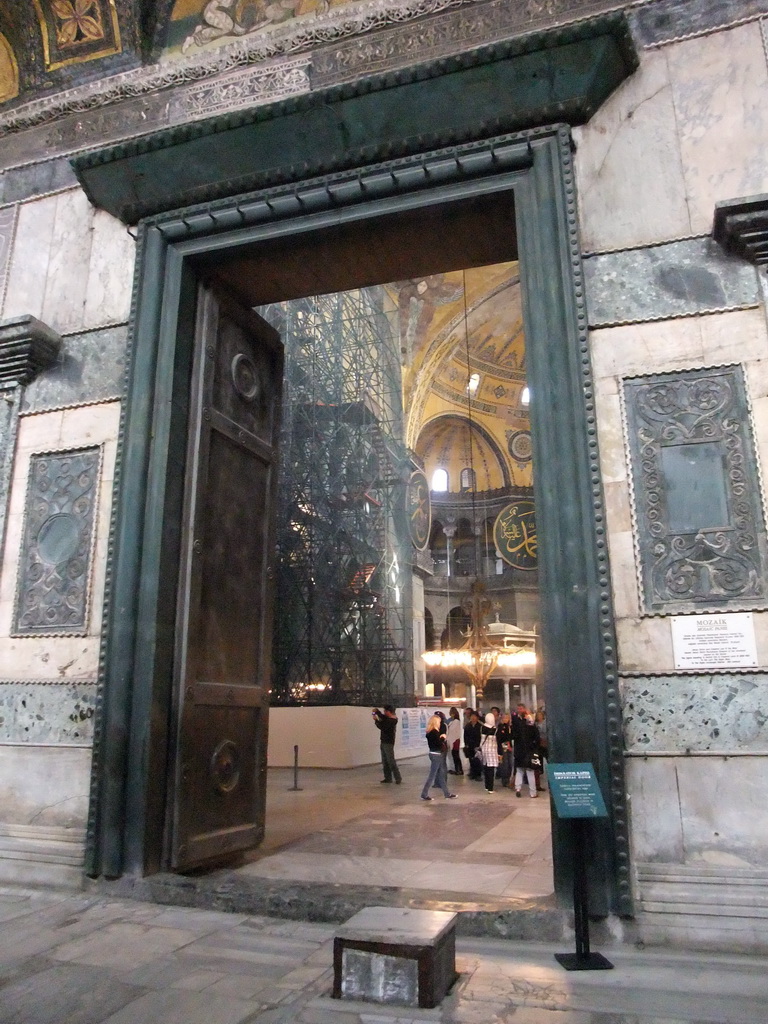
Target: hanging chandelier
{"x":479,"y":656}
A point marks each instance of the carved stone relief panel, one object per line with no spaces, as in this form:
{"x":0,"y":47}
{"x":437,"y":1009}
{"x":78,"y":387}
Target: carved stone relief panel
{"x":697,"y":509}
{"x":54,"y":569}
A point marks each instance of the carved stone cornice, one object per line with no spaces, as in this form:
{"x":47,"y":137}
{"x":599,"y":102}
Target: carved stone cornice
{"x":27,"y":346}
{"x":741,"y":228}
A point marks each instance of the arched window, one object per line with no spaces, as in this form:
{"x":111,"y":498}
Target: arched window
{"x":440,"y":480}
{"x":467,"y":479}
{"x":525,"y":396}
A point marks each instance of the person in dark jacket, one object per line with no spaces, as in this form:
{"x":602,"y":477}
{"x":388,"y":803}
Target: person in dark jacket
{"x":504,"y":741}
{"x":472,"y":737}
{"x":386,"y":722}
{"x":526,"y":756}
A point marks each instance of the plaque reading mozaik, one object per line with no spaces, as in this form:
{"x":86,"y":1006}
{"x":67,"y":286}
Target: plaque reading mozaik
{"x":514,"y":534}
{"x":714,"y":641}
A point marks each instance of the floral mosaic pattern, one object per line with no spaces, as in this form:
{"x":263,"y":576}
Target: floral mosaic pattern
{"x":75,"y":31}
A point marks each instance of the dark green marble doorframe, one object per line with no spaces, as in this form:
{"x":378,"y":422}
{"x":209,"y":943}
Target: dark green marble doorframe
{"x":578,"y":645}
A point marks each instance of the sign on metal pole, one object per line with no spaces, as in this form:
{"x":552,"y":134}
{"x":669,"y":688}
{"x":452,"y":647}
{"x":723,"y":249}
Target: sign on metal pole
{"x":576,"y":795}
{"x":575,"y":791}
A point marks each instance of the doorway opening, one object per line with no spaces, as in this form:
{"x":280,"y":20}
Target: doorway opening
{"x":389,"y":378}
{"x":481,"y":204}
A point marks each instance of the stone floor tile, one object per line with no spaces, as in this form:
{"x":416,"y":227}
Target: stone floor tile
{"x":123,"y":945}
{"x":311,"y":1015}
{"x":194,"y":920}
{"x":179,"y":1007}
{"x":196,"y":981}
{"x":242,"y":986}
{"x":64,"y":994}
{"x":167,"y":972}
{"x":302,"y":976}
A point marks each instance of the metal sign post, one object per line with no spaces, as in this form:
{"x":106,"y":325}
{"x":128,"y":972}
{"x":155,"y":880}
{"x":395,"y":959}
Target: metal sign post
{"x":577,"y":796}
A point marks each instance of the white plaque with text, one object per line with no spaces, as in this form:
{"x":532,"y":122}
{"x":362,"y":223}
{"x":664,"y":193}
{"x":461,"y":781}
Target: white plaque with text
{"x":714,"y":641}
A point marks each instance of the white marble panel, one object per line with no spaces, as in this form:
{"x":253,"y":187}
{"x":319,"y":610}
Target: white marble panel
{"x":655,"y":815}
{"x":29,"y":258}
{"x":617,"y":507}
{"x":628,"y":167}
{"x":645,"y":645}
{"x":90,"y":424}
{"x":623,"y":576}
{"x":613,"y":464}
{"x":719,"y":85}
{"x":647,"y":348}
{"x":67,"y":657}
{"x":736,"y":337}
{"x":110,"y":272}
{"x":38,"y":433}
{"x":44,"y":785}
{"x":724,"y":820}
{"x":760,"y":621}
{"x":67,"y":280}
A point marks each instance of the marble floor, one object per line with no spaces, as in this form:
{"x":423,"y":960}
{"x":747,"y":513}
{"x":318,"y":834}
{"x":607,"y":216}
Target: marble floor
{"x":345,"y":827}
{"x":82,"y":959}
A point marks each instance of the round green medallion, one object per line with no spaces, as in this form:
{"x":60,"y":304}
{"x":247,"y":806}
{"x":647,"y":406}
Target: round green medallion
{"x":515,"y":535}
{"x":418,"y":509}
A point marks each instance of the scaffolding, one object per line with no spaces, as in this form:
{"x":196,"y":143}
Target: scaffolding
{"x":343,"y":614}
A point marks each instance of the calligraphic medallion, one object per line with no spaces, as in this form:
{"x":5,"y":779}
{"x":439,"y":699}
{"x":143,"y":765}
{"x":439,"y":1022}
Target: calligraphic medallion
{"x":514,"y":534}
{"x":418,"y":509}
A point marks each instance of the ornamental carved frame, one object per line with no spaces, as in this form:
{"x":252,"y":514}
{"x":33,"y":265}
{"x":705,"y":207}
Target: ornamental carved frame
{"x":533,"y":170}
{"x":715,"y":566}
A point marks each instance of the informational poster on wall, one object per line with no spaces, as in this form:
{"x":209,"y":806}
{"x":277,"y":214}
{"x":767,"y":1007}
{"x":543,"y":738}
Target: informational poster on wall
{"x":714,"y":641}
{"x":412,"y":728}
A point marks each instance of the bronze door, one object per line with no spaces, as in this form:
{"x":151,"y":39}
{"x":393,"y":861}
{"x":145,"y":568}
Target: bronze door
{"x":225,"y":599}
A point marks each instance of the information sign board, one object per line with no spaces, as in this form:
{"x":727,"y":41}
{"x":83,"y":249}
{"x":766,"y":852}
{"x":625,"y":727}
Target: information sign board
{"x":714,"y":641}
{"x":575,"y":791}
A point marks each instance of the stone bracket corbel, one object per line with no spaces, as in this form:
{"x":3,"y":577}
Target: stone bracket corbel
{"x":741,"y":228}
{"x":27,"y":346}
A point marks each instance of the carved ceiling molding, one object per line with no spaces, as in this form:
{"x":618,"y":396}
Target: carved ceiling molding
{"x":358,"y":19}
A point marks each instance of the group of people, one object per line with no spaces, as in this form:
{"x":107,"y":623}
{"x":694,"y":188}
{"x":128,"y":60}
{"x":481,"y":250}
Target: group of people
{"x":509,"y":747}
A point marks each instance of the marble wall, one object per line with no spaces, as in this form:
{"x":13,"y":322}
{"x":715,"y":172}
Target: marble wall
{"x":70,"y":266}
{"x":675,"y":138}
{"x":683,"y":133}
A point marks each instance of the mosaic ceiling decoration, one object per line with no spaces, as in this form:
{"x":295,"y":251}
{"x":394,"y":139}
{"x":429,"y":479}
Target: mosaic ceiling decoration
{"x":9,"y":71}
{"x":455,"y":328}
{"x":75,"y":31}
{"x":197,"y":23}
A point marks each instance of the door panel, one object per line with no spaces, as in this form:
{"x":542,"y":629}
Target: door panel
{"x":225,"y":600}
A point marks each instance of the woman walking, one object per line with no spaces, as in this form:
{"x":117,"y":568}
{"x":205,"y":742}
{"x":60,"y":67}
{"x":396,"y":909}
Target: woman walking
{"x":436,"y":743}
{"x":490,"y":751}
{"x":453,"y":738}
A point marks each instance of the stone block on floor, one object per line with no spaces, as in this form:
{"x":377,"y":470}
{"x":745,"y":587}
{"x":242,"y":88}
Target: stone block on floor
{"x":395,"y":955}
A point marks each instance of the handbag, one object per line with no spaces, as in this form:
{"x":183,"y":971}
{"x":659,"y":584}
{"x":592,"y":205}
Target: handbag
{"x":535,"y":762}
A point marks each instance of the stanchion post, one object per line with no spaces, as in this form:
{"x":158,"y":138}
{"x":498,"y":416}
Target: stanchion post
{"x":576,"y":795}
{"x":295,"y":788}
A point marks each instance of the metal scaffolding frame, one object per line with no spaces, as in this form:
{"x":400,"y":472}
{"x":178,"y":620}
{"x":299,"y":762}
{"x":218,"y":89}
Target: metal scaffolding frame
{"x":343,"y":615}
